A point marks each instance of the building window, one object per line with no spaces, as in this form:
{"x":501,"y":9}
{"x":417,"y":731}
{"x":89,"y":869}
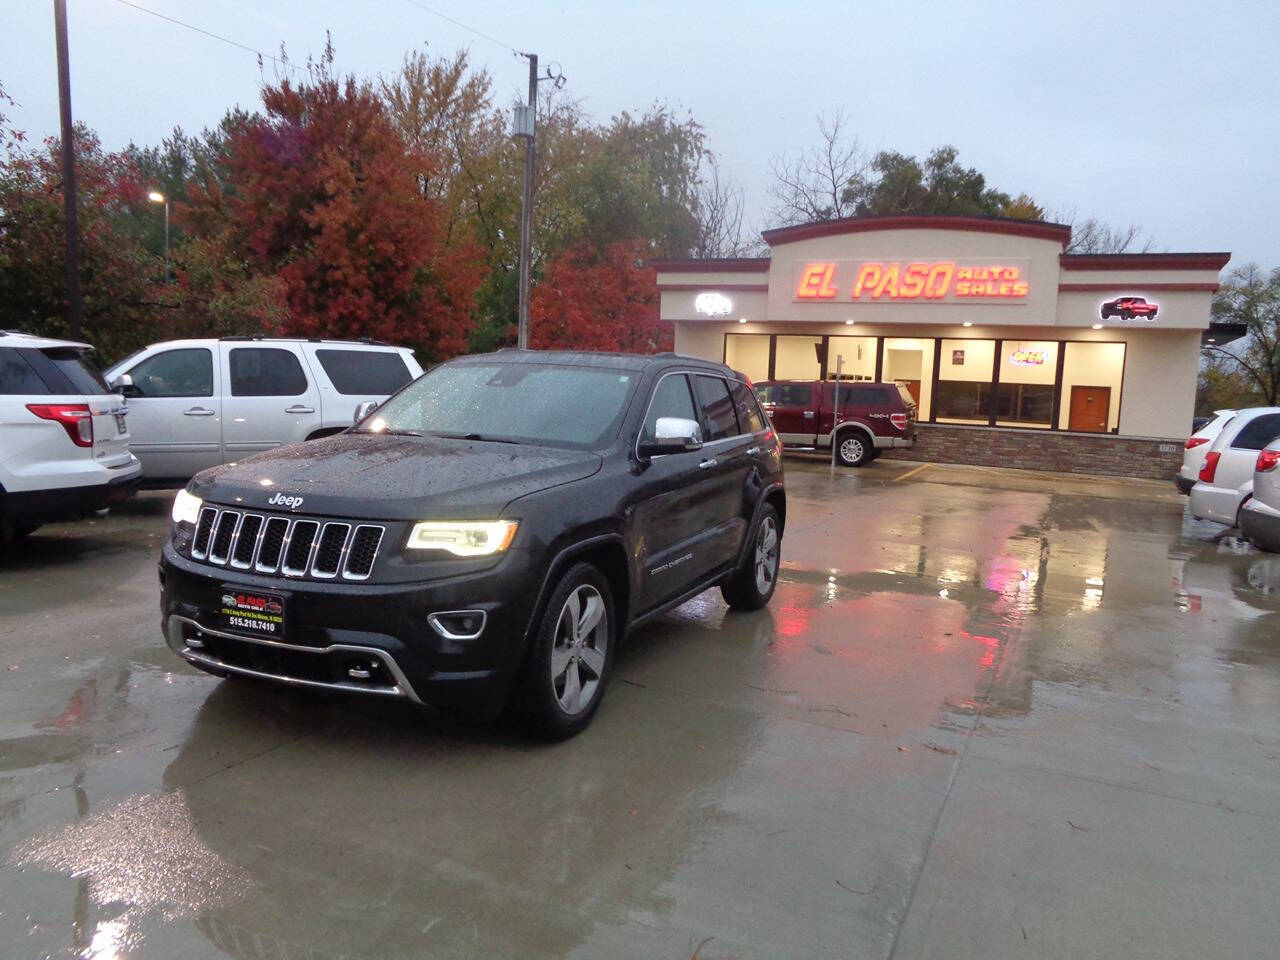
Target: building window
{"x":1024,"y":394}
{"x":858,"y":353}
{"x":1091,"y":379}
{"x":909,"y":361}
{"x":964,"y":390}
{"x":748,"y":353}
{"x":797,"y":358}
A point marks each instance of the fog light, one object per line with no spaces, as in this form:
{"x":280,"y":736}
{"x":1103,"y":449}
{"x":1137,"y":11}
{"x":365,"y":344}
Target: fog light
{"x":458,"y":624}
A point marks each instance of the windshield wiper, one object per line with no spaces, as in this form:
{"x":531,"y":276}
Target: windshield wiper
{"x":393,"y":433}
{"x":474,"y":436}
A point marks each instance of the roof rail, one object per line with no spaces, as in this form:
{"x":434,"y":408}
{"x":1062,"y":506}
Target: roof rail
{"x":252,"y":337}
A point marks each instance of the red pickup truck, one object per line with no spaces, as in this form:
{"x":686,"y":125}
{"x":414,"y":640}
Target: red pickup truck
{"x":873,"y":416}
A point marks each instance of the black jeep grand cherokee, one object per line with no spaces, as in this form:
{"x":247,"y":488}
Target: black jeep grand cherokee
{"x":496,"y":527}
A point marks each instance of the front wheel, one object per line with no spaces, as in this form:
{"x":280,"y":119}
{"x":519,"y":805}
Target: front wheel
{"x":753,"y":584}
{"x":573,"y":652}
{"x":854,"y":448}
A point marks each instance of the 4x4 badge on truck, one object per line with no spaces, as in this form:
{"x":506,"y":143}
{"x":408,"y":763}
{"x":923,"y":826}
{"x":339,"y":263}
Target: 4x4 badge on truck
{"x":284,"y":500}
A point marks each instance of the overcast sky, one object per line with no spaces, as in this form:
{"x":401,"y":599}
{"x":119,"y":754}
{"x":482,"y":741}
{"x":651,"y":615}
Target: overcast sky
{"x":1162,"y":114}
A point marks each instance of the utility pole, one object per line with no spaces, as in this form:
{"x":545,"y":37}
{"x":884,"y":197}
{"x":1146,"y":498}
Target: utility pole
{"x":71,"y":226}
{"x":526,"y":209}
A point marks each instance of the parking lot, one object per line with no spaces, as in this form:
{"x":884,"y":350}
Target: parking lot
{"x":987,"y":714}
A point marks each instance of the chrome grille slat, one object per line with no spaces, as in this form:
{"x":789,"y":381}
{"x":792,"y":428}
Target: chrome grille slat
{"x":262,"y":542}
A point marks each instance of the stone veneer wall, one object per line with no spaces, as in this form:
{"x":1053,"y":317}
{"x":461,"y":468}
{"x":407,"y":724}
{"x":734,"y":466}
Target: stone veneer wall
{"x":1097,"y":454}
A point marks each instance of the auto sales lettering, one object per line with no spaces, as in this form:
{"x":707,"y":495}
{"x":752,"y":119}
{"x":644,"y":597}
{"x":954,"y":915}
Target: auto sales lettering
{"x":922,"y":281}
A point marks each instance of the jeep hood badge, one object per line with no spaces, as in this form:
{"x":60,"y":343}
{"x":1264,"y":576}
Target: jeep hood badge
{"x":285,"y":500}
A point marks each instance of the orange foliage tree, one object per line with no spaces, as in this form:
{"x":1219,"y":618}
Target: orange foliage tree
{"x":599,"y":300}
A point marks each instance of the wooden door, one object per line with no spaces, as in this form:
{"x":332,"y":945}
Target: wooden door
{"x":1090,"y":407}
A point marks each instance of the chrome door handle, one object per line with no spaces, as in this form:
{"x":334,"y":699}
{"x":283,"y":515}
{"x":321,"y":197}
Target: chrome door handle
{"x":299,"y":408}
{"x":752,"y":451}
{"x":197,"y":412}
{"x":708,"y":464}
{"x":808,"y":414}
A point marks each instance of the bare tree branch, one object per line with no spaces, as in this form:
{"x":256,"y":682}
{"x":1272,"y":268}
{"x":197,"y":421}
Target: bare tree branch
{"x":813,"y":185}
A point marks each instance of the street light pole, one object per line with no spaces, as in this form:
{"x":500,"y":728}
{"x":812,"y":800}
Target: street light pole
{"x":155,"y":196}
{"x":71,"y":226}
{"x":526,"y":209}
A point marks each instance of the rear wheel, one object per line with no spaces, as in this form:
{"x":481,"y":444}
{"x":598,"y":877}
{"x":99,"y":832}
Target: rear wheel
{"x":854,"y":448}
{"x":753,"y":584}
{"x":569,"y":666}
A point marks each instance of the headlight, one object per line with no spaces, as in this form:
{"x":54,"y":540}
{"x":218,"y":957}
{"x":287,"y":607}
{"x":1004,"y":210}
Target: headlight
{"x":186,"y":508}
{"x":463,"y":538}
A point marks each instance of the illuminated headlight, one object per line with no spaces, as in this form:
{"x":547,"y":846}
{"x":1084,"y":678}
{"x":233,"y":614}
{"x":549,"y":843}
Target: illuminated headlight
{"x":463,"y":538}
{"x":186,"y":508}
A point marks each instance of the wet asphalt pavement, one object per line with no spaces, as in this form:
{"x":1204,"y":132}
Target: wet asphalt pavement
{"x":987,"y":715}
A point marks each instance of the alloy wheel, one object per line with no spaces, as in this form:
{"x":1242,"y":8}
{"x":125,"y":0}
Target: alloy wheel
{"x":766,"y":555}
{"x":578,"y":652}
{"x":851,"y":450}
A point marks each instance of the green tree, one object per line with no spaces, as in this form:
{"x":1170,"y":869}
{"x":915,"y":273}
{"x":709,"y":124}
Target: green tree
{"x":1251,"y":296}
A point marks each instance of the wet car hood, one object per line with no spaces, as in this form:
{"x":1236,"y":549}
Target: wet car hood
{"x":368,"y":476}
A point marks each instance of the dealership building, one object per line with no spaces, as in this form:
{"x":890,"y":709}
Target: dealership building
{"x":1017,"y":352}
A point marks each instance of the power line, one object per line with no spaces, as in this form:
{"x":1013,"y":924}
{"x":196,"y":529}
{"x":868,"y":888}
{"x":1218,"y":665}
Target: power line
{"x":470,"y":29}
{"x":227,"y":40}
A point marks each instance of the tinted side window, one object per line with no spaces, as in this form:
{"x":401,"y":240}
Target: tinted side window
{"x":671,"y":399}
{"x":17,"y":376}
{"x":266,"y":372}
{"x":174,"y":373}
{"x":863,"y":396}
{"x":377,"y":372}
{"x":748,"y":411}
{"x":792,"y":394}
{"x":1258,"y":433}
{"x":718,"y":419}
{"x":73,"y":365}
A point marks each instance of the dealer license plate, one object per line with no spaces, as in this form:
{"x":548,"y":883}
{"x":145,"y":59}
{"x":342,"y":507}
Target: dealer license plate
{"x":120,"y":423}
{"x":253,"y":614}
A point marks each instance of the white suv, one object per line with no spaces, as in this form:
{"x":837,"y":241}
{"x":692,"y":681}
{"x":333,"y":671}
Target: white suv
{"x":1226,"y":477}
{"x":198,"y":403}
{"x":64,"y":449}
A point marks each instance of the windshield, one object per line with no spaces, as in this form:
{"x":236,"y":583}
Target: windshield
{"x":554,"y":406}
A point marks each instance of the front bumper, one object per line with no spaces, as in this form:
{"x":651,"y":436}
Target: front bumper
{"x":363,"y":637}
{"x":1260,"y":525}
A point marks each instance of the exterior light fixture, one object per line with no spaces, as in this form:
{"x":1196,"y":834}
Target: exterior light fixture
{"x":968,"y":323}
{"x":848,"y":323}
{"x":742,"y":319}
{"x":1097,"y":326}
{"x":155,"y":196}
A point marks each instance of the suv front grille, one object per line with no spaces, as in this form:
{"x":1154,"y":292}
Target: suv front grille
{"x":293,"y":547}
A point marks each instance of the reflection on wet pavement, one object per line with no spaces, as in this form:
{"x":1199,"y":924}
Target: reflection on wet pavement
{"x":967,"y":706}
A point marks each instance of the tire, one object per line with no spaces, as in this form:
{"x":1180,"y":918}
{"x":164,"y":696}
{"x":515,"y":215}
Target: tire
{"x":1126,"y":314}
{"x":753,"y":584}
{"x":568,"y":652}
{"x":854,"y":448}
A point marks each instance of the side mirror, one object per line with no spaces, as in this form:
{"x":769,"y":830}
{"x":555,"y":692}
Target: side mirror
{"x":672,"y":435}
{"x":123,"y":385}
{"x":363,"y":410}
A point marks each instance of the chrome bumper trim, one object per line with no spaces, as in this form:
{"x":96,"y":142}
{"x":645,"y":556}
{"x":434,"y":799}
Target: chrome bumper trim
{"x":402,"y":688}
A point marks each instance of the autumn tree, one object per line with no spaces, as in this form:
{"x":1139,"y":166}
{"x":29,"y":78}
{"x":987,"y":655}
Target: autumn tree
{"x":599,"y":300}
{"x":324,"y":194}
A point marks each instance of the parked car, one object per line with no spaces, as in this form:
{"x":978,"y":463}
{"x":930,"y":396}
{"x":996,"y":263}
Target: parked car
{"x":499,"y":525}
{"x":198,"y":403}
{"x":1226,"y":476}
{"x":1129,"y":307}
{"x":873,"y":416}
{"x":1197,"y":446}
{"x":1260,"y":515}
{"x":64,"y":442}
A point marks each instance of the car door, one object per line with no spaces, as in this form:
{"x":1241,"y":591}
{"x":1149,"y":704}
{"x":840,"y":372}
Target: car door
{"x":271,"y":399}
{"x":175,"y":416}
{"x":726,"y":466}
{"x":672,"y":511}
{"x":793,"y":411}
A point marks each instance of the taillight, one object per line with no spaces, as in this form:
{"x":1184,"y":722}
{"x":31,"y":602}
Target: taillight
{"x":1193,"y":442}
{"x":74,"y":417}
{"x":1210,"y":466}
{"x":1267,"y":460}
{"x":899,"y":420}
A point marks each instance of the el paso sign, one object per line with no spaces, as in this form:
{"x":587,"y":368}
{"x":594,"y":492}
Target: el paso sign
{"x":911,"y":281}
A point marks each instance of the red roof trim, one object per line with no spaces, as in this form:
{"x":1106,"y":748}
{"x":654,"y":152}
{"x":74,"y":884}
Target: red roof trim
{"x":1144,"y":261}
{"x":713,"y":265}
{"x":738,"y":287}
{"x":1035,"y":229}
{"x":1138,"y":285}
